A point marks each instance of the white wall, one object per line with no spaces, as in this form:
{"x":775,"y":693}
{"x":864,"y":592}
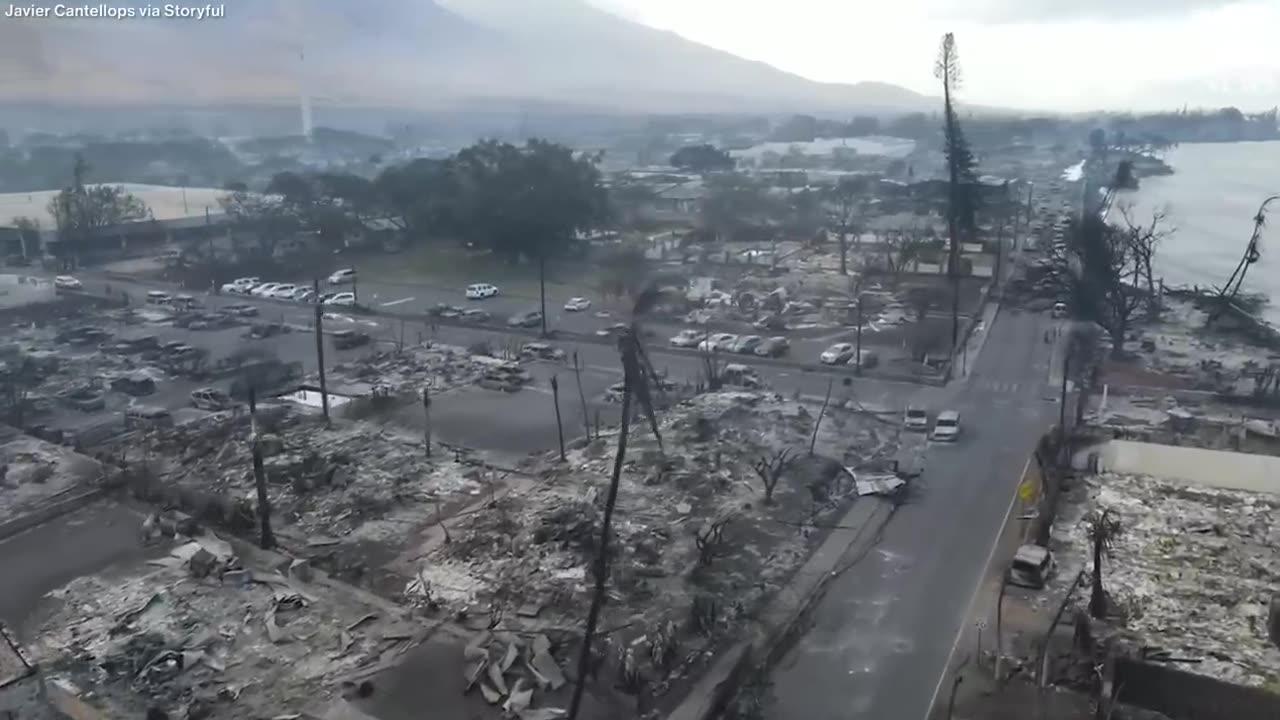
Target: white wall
{"x":1193,"y":466}
{"x":19,"y":290}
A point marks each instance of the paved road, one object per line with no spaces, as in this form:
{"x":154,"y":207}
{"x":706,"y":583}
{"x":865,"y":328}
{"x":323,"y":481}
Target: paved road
{"x":883,"y":633}
{"x":47,"y":556}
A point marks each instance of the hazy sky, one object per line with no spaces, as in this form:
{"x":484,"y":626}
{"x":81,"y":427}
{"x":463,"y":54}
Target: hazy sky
{"x":1051,"y":54}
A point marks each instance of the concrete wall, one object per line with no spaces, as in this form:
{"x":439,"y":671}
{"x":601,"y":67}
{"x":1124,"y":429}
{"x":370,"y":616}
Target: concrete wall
{"x":1186,"y":696}
{"x":1193,"y":466}
{"x":20,"y":290}
{"x":25,"y":699}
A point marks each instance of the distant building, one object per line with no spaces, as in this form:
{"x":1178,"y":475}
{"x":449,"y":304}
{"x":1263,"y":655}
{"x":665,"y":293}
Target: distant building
{"x":175,"y":215}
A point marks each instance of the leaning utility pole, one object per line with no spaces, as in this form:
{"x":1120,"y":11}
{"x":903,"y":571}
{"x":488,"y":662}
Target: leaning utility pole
{"x":266,"y":538}
{"x":324,"y":390}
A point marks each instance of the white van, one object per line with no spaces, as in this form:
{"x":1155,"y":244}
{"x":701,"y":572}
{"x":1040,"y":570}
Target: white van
{"x":480,"y":291}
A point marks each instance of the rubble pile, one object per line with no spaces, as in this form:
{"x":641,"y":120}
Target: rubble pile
{"x":405,"y":371}
{"x":1193,"y":571}
{"x":203,"y":636}
{"x":346,"y":481}
{"x":696,"y":546}
{"x":509,"y":669}
{"x":1178,"y":347}
{"x":33,"y":472}
{"x":1169,"y":421}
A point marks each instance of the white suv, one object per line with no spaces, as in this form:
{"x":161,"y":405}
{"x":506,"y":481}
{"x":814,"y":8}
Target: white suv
{"x":480,"y":291}
{"x":342,"y":276}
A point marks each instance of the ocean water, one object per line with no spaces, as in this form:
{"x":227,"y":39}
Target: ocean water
{"x":1211,"y":199}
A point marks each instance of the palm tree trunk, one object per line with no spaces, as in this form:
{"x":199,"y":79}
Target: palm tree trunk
{"x":1097,"y":596}
{"x":542,"y":289}
{"x":602,"y":553}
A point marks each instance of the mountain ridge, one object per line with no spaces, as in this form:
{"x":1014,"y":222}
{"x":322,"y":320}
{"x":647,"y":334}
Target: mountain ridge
{"x":422,"y":54}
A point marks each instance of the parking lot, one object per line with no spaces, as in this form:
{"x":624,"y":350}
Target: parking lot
{"x":86,"y":365}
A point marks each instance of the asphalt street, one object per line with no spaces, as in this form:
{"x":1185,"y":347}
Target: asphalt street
{"x":883,"y":633}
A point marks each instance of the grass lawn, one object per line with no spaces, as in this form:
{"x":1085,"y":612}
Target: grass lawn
{"x":451,"y":267}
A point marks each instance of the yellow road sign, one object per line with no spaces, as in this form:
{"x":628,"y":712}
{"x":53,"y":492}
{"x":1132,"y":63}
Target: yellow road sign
{"x":1027,"y":490}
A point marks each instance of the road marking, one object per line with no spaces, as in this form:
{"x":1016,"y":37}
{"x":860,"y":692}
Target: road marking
{"x":973,"y":599}
{"x":401,"y":301}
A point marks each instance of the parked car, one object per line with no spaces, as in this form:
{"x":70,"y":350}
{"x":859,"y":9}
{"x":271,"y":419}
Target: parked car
{"x":720,"y":342}
{"x":340,"y":277}
{"x":240,"y":286}
{"x":147,"y":416}
{"x":284,"y":291}
{"x":1032,"y":567}
{"x":303,"y":294}
{"x":156,"y":297}
{"x":773,"y":347}
{"x":347,"y":339}
{"x":916,"y":419}
{"x":66,"y":282}
{"x":211,"y":399}
{"x":527,"y":319}
{"x":739,"y":376}
{"x":747,"y":344}
{"x":837,"y":354}
{"x":542,"y":351}
{"x":687,"y":338}
{"x":84,"y":335}
{"x":947,"y":427}
{"x":613,"y":330}
{"x":475,"y":315}
{"x":865,"y":359}
{"x":577,"y":304}
{"x":241,"y":310}
{"x":342,"y":299}
{"x":184,"y":302}
{"x":265,"y":289}
{"x":480,"y":291}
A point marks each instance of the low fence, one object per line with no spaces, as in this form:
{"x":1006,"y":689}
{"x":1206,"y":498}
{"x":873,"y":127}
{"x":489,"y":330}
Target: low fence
{"x":1187,"y":696}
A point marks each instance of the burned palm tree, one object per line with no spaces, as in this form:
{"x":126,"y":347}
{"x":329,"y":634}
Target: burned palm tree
{"x":1103,"y":529}
{"x":639,"y":385}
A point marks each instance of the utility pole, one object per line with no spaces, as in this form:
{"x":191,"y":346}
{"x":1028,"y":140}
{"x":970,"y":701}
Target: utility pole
{"x":555,"y":398}
{"x":324,"y":390}
{"x":426,"y":412}
{"x":858,"y":367}
{"x":577,"y":374}
{"x":266,"y":538}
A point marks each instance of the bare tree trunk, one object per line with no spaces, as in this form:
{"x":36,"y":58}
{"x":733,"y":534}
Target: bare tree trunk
{"x":577,"y":374}
{"x":324,"y":390}
{"x":602,"y":551}
{"x":555,"y":398}
{"x":266,"y":538}
{"x":813,"y":441}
